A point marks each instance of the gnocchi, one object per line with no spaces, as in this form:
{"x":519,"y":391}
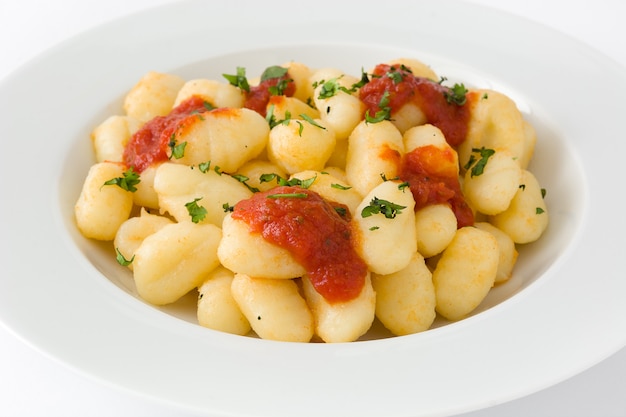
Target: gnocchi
{"x":306,"y":204}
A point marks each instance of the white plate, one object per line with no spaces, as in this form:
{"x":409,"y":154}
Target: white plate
{"x":567,"y":311}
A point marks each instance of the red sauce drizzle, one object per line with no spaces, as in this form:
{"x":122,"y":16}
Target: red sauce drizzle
{"x":403,"y":87}
{"x":432,"y":176}
{"x":150,"y":143}
{"x":259,"y":95}
{"x":314,"y":233}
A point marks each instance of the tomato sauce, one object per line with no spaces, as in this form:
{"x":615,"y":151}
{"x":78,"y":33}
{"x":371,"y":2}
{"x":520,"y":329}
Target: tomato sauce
{"x":258,"y":96}
{"x":403,"y":87}
{"x":150,"y":143}
{"x":432,"y":176}
{"x":314,"y":233}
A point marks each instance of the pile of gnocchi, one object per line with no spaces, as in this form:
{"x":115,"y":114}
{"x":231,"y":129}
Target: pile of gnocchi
{"x":166,"y":185}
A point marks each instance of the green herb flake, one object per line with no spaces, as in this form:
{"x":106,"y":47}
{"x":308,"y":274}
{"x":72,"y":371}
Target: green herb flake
{"x":293,"y":182}
{"x":310,"y":120}
{"x":197,"y":213}
{"x":383,"y":114}
{"x":268,"y":177}
{"x":385,"y":179}
{"x":539,"y":210}
{"x":204,"y":166}
{"x":478,"y":166}
{"x":387,"y":208}
{"x":304,"y":183}
{"x":228,"y":208}
{"x":244,"y":180}
{"x":543,"y":193}
{"x":127,"y":181}
{"x":288,"y":195}
{"x":270,"y":118}
{"x":121,"y":259}
{"x":274,"y":71}
{"x":374,"y":228}
{"x":239,"y":80}
{"x":456,"y":95}
{"x":341,"y":211}
{"x":178,"y":149}
{"x":279,"y":88}
{"x":395,"y":75}
{"x":339,"y":186}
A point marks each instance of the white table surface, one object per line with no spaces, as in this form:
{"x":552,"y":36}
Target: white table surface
{"x":32,"y":384}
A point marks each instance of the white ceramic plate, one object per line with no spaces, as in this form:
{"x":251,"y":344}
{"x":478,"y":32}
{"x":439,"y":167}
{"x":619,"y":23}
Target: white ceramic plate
{"x":564,"y":311}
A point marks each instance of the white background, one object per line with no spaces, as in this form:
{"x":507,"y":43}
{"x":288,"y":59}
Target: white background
{"x":32,"y":384}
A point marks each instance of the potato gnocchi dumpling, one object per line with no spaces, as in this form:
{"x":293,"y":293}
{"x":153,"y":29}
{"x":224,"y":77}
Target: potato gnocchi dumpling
{"x":305,"y":204}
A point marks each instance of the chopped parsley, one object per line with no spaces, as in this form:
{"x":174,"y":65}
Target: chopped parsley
{"x":197,"y":213}
{"x":127,"y":181}
{"x":227,"y":207}
{"x":384,"y":177}
{"x":178,"y":149}
{"x":274,"y":71}
{"x":539,"y":210}
{"x":383,"y":114}
{"x":384,"y":207}
{"x":456,"y":95}
{"x":478,"y":165}
{"x":288,"y":195}
{"x":279,"y":88}
{"x":121,"y":259}
{"x":293,"y":182}
{"x":239,"y":79}
{"x":311,"y":121}
{"x":204,"y":166}
{"x":328,"y":88}
{"x":341,"y":211}
{"x":339,"y":186}
{"x":244,"y":180}
{"x":270,"y":118}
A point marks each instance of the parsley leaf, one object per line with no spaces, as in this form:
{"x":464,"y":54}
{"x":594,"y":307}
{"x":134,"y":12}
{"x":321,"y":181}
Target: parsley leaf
{"x":293,"y":182}
{"x":243,"y":179}
{"x":204,"y":166}
{"x":127,"y":181}
{"x":288,"y":195}
{"x":270,"y":118}
{"x":383,"y":114}
{"x":478,"y":166}
{"x":311,"y":121}
{"x":178,"y":149}
{"x":121,"y":259}
{"x":197,"y":213}
{"x":387,"y":208}
{"x":456,"y":95}
{"x":274,"y":71}
{"x":239,"y":80}
{"x":279,"y":88}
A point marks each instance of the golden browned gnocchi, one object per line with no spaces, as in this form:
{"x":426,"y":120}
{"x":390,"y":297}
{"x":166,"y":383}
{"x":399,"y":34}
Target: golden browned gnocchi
{"x":306,"y":203}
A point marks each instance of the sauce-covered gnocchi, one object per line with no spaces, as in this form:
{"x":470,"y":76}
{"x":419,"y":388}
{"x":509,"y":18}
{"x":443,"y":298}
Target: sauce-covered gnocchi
{"x":308,"y":203}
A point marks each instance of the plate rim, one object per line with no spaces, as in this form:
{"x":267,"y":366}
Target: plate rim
{"x":340,"y":350}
